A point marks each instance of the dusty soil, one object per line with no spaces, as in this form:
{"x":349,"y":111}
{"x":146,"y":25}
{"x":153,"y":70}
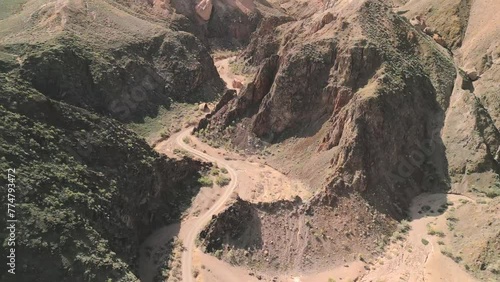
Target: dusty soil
{"x":419,"y":257}
{"x":251,"y":176}
{"x":408,"y":259}
{"x":259,"y":182}
{"x":225,"y":72}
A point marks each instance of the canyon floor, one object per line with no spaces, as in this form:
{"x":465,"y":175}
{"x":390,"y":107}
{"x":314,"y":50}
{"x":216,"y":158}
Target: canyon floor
{"x":420,"y":254}
{"x":252,"y":140}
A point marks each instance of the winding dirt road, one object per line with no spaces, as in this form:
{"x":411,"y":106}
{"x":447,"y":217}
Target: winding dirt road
{"x":199,"y":224}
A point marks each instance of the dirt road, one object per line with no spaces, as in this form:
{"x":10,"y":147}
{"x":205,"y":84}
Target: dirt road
{"x":413,"y":259}
{"x":199,"y":224}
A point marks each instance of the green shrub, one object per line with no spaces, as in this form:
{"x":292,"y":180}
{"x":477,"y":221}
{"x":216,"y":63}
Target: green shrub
{"x":205,"y":181}
{"x":426,"y":208}
{"x":449,"y":254}
{"x":450,"y":225}
{"x":492,"y":193}
{"x":397,"y":236}
{"x":214,"y":171}
{"x":196,"y":272}
{"x":432,"y":231}
{"x":222,"y":180}
{"x":425,"y":242}
{"x":404,"y":226}
{"x":436,"y":233}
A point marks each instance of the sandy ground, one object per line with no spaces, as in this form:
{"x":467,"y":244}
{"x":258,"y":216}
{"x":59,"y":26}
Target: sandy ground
{"x":255,"y":181}
{"x":226,"y":74}
{"x":200,"y":222}
{"x":251,"y":179}
{"x":412,"y":260}
{"x":409,"y":259}
{"x":217,"y":270}
{"x":262,"y":183}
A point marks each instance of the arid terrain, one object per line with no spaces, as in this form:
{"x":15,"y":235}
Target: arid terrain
{"x":421,"y":249}
{"x":252,"y":140}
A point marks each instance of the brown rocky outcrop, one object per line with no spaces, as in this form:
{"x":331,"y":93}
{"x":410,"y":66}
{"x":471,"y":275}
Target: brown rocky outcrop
{"x":439,"y":39}
{"x":203,"y":107}
{"x":418,"y":22}
{"x":429,"y":31}
{"x":151,"y":65}
{"x":352,"y":90}
{"x":225,"y":22}
{"x":204,"y":9}
{"x":369,"y":122}
{"x":226,"y":228}
{"x":472,"y":74}
{"x":285,"y":231}
{"x":325,"y":19}
{"x":237,"y":83}
{"x":264,"y":41}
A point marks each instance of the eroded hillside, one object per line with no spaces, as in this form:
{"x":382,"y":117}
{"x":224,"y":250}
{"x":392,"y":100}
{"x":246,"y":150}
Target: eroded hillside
{"x":379,"y":109}
{"x":371,"y":109}
{"x":109,"y":57}
{"x":89,"y":190}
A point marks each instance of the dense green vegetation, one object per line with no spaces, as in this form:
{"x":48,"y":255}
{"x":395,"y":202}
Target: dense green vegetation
{"x":88,"y":189}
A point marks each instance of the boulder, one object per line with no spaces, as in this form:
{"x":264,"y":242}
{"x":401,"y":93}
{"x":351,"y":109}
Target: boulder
{"x":411,"y":37}
{"x":237,"y":84}
{"x":466,"y":84}
{"x":418,"y":22}
{"x":204,"y":9}
{"x":429,"y":31}
{"x":326,"y":19}
{"x":472,"y":74}
{"x":439,"y":39}
{"x":204,"y":107}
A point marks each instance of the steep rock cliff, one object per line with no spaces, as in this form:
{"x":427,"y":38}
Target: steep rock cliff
{"x":355,"y":87}
{"x":88,"y":190}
